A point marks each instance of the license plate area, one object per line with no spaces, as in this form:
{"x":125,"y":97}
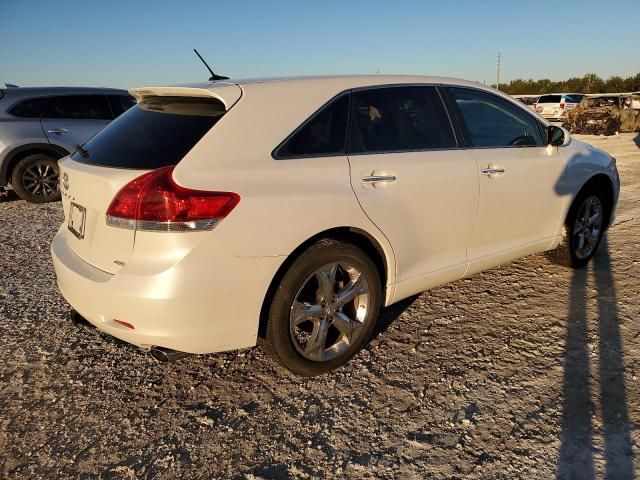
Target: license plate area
{"x":77,"y":219}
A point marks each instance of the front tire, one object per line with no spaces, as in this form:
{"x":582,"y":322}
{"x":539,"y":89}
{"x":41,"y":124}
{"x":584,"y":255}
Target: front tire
{"x":584,"y":228}
{"x":324,"y":309}
{"x":35,"y":179}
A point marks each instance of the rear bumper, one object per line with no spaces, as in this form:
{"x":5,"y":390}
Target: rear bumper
{"x":207,"y":301}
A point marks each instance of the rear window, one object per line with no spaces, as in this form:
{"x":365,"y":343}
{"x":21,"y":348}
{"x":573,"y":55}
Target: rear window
{"x":550,"y":99}
{"x":155,"y":133}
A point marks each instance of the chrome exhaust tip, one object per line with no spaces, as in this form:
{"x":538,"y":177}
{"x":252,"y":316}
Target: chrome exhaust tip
{"x":165,"y":355}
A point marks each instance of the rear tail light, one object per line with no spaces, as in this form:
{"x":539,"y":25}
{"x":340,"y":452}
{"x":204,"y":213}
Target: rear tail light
{"x":155,"y":202}
{"x":562,"y":106}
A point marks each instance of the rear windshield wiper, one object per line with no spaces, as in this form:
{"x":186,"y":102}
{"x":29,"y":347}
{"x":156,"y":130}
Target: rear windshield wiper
{"x":83,"y":153}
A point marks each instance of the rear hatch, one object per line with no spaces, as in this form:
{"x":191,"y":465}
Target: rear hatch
{"x":549,"y":105}
{"x":159,"y":131}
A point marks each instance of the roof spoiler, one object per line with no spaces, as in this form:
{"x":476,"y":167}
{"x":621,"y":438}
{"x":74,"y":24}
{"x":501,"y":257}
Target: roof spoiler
{"x":140,"y":93}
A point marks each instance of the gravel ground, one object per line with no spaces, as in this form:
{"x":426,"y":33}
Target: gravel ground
{"x":525,"y":371}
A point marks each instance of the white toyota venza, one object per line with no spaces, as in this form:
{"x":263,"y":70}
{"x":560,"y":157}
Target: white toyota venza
{"x":288,"y":212}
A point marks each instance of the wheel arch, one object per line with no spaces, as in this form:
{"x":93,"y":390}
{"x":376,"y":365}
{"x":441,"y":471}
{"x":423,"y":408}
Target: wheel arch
{"x":600,"y":183}
{"x":18,"y":153}
{"x":352,"y":235}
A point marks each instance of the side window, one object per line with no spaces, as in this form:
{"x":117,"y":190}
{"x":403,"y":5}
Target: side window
{"x":31,"y":108}
{"x":120,"y":104}
{"x":491,"y":121}
{"x":400,"y":118}
{"x":324,"y":134}
{"x":93,"y":107}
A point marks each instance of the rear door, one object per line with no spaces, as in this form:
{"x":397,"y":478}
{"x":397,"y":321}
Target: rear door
{"x":413,"y":182}
{"x":157,"y":132}
{"x":519,"y":204}
{"x":74,"y":119}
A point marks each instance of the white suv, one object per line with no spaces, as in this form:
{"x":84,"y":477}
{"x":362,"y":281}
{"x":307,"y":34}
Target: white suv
{"x":556,"y":105}
{"x":208,"y":217}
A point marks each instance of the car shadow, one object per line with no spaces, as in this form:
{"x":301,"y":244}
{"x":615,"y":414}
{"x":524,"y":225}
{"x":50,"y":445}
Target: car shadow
{"x":576,"y":459}
{"x":9,"y":196}
{"x":389,"y":315}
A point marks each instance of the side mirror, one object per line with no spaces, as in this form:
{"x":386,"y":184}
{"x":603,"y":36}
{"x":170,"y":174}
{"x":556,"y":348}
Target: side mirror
{"x":558,"y":136}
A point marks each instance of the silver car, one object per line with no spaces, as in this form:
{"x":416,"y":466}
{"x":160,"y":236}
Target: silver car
{"x":40,"y":125}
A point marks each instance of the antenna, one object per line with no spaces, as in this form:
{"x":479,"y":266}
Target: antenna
{"x":498,"y":74}
{"x":213,"y":76}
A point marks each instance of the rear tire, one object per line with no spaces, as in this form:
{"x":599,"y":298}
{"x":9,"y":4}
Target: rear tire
{"x":324,"y":309}
{"x":35,"y":179}
{"x":584,"y":228}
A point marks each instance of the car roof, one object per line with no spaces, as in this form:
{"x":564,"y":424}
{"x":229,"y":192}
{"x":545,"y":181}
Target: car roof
{"x":348,"y":81}
{"x":229,"y":90}
{"x":321,"y":88}
{"x":601,"y":95}
{"x":565,"y":93}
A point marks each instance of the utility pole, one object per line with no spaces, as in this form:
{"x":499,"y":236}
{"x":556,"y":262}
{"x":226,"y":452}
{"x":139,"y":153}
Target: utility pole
{"x":498,"y":74}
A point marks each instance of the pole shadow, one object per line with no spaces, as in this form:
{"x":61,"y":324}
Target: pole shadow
{"x":576,"y":459}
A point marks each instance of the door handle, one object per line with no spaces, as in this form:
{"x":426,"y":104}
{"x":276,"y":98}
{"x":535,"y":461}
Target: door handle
{"x":492,"y":171}
{"x":373,"y":179}
{"x":58,"y":131}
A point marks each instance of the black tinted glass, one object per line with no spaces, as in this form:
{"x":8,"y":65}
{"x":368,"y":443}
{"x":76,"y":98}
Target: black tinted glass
{"x":491,"y":121}
{"x":120,"y":104}
{"x":550,"y":99}
{"x":31,"y":108}
{"x":324,"y":134}
{"x":573,"y":98}
{"x":155,"y":133}
{"x":400,"y":118}
{"x":87,"y":107}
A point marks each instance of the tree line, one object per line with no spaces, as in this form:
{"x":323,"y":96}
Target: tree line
{"x":589,"y":83}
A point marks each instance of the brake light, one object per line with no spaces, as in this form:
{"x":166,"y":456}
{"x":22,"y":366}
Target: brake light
{"x":154,"y":202}
{"x":562,"y":106}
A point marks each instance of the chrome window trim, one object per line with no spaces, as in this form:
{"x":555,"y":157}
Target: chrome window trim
{"x":459,"y":145}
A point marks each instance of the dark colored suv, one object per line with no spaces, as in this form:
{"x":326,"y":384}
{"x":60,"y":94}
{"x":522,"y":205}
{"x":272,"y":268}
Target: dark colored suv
{"x":40,"y":125}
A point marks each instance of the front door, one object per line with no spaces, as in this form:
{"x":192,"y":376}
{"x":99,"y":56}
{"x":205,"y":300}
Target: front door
{"x":519,"y":203}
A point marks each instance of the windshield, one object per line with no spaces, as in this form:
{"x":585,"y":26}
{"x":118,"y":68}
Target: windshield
{"x":156,"y":132}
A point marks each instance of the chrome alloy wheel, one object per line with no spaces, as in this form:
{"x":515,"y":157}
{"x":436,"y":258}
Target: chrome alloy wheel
{"x":40,"y":179}
{"x":329,"y":311}
{"x":587,"y":228}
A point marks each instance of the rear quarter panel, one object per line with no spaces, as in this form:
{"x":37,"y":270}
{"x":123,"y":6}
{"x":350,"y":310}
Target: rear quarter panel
{"x":283,"y":202}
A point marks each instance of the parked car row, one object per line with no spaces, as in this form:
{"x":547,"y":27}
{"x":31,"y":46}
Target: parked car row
{"x":38,"y":126}
{"x":553,"y":106}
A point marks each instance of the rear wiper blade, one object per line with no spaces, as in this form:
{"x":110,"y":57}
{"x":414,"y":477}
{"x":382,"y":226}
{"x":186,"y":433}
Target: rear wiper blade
{"x":83,"y":153}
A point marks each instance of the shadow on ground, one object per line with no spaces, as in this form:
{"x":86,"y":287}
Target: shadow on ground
{"x":9,"y":196}
{"x":577,"y":447}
